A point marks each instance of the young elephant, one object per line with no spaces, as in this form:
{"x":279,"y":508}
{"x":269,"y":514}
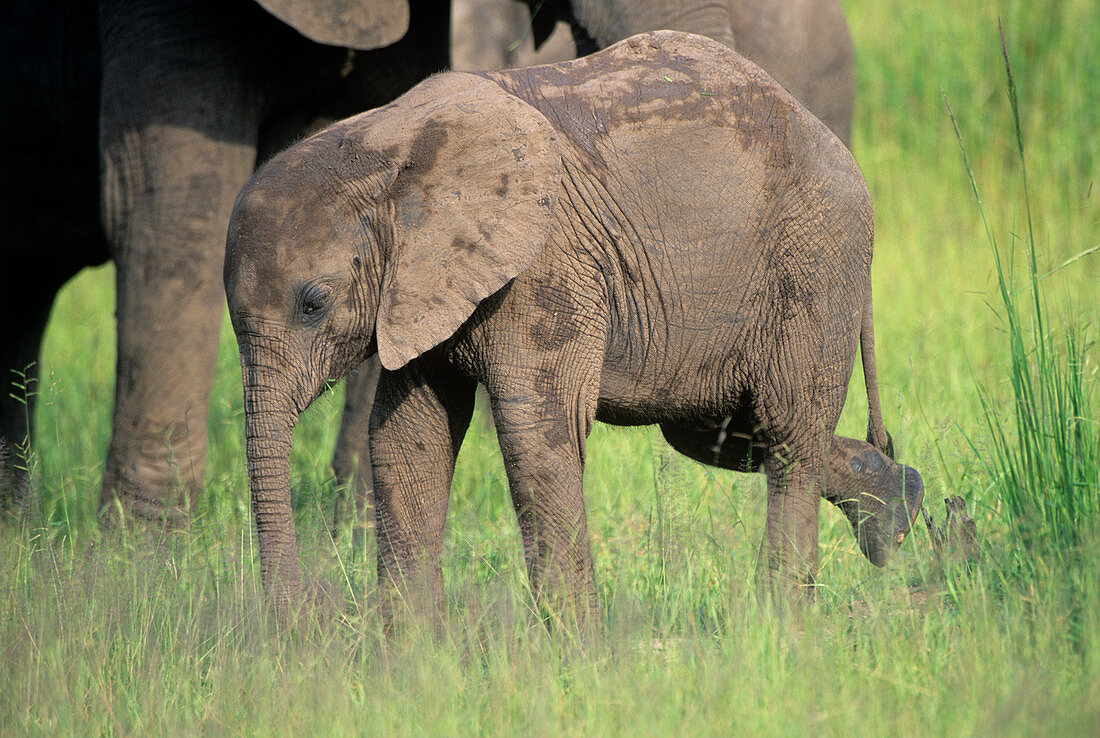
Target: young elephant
{"x":657,"y":233}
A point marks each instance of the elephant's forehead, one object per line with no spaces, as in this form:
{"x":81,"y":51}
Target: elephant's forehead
{"x":282,"y":218}
{"x":279,"y":236}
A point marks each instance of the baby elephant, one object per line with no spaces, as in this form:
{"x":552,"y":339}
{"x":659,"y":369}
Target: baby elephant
{"x":657,"y":233}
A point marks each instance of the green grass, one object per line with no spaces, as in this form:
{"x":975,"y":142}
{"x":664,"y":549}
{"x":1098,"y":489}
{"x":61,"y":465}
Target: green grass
{"x":982,"y":392}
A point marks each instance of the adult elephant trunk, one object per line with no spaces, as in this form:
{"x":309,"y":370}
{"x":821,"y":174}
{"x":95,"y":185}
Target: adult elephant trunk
{"x":270,"y":416}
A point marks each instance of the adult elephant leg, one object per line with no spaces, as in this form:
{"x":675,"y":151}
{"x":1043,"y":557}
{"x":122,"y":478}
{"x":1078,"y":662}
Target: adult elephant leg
{"x":24,"y":311}
{"x":420,"y":417}
{"x":351,"y":462}
{"x":178,"y":129}
{"x":49,"y":199}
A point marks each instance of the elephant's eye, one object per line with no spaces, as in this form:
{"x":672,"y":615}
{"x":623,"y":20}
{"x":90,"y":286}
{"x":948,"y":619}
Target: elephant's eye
{"x":314,"y":300}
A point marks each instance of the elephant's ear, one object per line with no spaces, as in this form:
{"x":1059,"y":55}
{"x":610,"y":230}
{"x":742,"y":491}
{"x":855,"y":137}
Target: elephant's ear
{"x":357,"y":24}
{"x":473,"y":199}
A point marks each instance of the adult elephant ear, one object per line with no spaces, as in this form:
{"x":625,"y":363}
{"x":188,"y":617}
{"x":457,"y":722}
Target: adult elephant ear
{"x":477,"y":175}
{"x":357,"y":24}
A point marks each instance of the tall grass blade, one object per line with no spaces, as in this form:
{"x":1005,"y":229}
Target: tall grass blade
{"x":1046,"y":459}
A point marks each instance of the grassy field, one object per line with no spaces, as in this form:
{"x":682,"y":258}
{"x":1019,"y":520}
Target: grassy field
{"x":102,"y":635}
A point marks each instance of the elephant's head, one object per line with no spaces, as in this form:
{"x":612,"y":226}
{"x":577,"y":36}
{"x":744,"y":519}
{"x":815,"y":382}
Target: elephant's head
{"x":381,"y":233}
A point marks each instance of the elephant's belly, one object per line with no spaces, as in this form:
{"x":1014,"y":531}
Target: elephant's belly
{"x":670,"y":386}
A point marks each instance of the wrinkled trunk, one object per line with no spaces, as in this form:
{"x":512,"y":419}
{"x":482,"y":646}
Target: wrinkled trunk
{"x":270,"y":416}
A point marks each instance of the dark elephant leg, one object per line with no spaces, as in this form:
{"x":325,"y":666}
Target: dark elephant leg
{"x":880,"y":497}
{"x":178,"y":132}
{"x":22,"y":323}
{"x":418,"y":422}
{"x":351,"y":461}
{"x":49,"y":199}
{"x":53,"y":249}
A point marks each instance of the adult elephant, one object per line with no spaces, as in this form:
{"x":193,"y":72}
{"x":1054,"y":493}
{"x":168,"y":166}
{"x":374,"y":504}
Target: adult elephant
{"x":804,"y":44}
{"x":136,"y":123}
{"x":503,"y":34}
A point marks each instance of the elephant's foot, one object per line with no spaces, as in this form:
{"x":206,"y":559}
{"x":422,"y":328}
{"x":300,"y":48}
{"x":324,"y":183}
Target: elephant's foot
{"x":880,"y":497}
{"x":158,"y":491}
{"x":129,"y":504}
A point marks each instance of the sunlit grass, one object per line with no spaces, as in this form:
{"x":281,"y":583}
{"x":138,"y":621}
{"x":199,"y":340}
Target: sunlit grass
{"x":1046,"y":452}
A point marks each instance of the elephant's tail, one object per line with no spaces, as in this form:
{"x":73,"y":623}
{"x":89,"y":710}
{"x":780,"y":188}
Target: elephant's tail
{"x":877,"y":435}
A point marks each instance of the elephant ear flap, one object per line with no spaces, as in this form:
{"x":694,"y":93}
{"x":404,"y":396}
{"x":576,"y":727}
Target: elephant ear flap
{"x":357,"y":24}
{"x":472,"y":207}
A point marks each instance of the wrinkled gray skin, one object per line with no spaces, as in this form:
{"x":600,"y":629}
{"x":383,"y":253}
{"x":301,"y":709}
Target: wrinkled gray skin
{"x":804,"y":44}
{"x":136,"y":124}
{"x":657,"y":233}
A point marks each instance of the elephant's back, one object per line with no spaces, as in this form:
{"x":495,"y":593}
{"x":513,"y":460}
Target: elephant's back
{"x":664,"y":82}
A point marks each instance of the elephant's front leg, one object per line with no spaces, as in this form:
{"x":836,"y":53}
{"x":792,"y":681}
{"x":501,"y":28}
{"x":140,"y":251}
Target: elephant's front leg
{"x":543,"y":444}
{"x":420,"y":416}
{"x":544,"y":411}
{"x":177,"y":142}
{"x":351,"y":460}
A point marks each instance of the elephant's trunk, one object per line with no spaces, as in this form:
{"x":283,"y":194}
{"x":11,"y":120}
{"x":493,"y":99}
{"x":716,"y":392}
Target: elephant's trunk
{"x":270,"y":417}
